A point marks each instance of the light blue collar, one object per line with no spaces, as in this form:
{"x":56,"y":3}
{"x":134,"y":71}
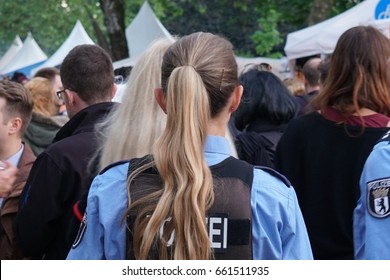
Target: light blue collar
{"x":216,"y":149}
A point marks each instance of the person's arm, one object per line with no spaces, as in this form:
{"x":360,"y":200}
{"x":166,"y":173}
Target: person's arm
{"x":43,"y":202}
{"x":278,"y":229}
{"x":102,"y":234}
{"x":372,"y":214}
{"x":7,"y":178}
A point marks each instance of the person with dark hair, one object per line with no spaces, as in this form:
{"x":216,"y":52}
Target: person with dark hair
{"x":323,"y":152}
{"x":19,"y":77}
{"x":311,"y":76}
{"x":15,"y":114}
{"x":178,"y":202}
{"x":46,"y":226}
{"x":266,"y":108}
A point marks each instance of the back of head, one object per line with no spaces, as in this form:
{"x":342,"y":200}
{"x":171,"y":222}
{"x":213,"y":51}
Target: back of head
{"x":357,"y":74}
{"x":323,"y":68}
{"x":88,"y":70}
{"x":43,"y":96}
{"x":48,"y":73}
{"x":311,"y":72}
{"x":265,"y":98}
{"x":199,"y":75}
{"x":139,"y":112}
{"x":19,"y":102}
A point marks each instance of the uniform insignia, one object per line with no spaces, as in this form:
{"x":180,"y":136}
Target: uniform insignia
{"x":378,"y":198}
{"x":80,"y":233}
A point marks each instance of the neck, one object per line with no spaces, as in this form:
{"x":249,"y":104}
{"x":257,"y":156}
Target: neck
{"x":365,"y":112}
{"x":11,"y":148}
{"x":312,"y":88}
{"x":217,"y":126}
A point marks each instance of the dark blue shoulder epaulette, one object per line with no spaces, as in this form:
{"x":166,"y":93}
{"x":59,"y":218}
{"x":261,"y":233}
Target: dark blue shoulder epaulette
{"x":113,"y":164}
{"x":385,"y":137}
{"x":276,"y":174}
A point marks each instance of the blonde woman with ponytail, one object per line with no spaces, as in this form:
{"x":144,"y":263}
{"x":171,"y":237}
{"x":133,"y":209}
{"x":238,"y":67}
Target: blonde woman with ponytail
{"x":190,"y":199}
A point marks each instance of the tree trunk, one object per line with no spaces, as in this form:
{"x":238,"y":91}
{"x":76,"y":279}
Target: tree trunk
{"x":114,"y":20}
{"x":319,"y":11}
{"x":102,"y":41}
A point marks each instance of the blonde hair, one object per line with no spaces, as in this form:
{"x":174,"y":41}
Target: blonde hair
{"x":199,"y":74}
{"x":132,"y":129}
{"x":43,"y":96}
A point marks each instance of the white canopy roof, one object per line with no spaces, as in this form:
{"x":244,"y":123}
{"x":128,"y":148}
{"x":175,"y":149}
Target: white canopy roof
{"x":144,"y":29}
{"x":78,"y":36}
{"x":28,"y":55}
{"x":10,"y":53}
{"x":322,"y":37}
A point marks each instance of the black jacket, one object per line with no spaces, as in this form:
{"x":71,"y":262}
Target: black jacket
{"x":45,"y":226}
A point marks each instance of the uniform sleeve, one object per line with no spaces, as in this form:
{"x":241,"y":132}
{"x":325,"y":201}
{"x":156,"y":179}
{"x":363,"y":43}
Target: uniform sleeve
{"x":102,"y":234}
{"x":278,"y":229}
{"x":371,"y":221}
{"x":42,"y":203}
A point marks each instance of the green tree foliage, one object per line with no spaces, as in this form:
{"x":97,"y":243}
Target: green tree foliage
{"x":254,"y":27}
{"x":50,"y":22}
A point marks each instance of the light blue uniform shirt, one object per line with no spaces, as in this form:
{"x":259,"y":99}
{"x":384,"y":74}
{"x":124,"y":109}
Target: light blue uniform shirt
{"x":278,"y":229}
{"x":371,"y":223}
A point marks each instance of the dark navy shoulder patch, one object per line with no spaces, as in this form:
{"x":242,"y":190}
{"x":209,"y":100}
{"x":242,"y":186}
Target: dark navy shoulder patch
{"x":80,"y":233}
{"x":378,"y":198}
{"x":112,"y":165}
{"x":385,"y":138}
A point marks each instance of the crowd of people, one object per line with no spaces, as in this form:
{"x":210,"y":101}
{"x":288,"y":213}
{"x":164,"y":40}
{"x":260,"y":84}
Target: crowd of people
{"x":199,"y":160}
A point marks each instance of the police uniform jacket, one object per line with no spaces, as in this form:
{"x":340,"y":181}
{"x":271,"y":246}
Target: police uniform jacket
{"x":372,"y":215}
{"x":278,"y":229}
{"x":8,"y":247}
{"x":46,"y":226}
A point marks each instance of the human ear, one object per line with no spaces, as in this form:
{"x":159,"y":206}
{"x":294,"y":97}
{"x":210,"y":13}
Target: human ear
{"x":15,"y":126}
{"x":237,"y":94}
{"x":160,"y":98}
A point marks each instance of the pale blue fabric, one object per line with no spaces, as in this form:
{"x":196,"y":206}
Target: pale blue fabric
{"x":278,"y":229}
{"x":371,"y":234}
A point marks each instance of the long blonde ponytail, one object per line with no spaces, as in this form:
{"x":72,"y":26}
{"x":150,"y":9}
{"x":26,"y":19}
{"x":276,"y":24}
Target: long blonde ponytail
{"x":196,"y":87}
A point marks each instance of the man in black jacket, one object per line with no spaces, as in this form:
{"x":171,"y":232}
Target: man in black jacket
{"x":46,"y":227}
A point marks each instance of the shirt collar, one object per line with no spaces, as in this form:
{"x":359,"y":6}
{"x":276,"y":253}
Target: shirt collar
{"x":15,"y":158}
{"x":216,"y":149}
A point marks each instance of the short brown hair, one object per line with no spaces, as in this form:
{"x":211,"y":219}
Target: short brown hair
{"x":19,"y":102}
{"x":88,"y":70}
{"x":48,"y":73}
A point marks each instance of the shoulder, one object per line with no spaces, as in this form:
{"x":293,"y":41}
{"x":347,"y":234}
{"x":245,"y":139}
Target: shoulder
{"x":271,"y":182}
{"x":385,"y":138}
{"x":110,"y":183}
{"x":115,"y":170}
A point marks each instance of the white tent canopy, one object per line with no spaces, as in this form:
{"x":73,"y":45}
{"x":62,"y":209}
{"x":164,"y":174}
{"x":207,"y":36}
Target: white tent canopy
{"x":144,"y":29}
{"x":30,"y":54}
{"x":78,"y":36}
{"x":10,"y":53}
{"x":322,"y":37}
